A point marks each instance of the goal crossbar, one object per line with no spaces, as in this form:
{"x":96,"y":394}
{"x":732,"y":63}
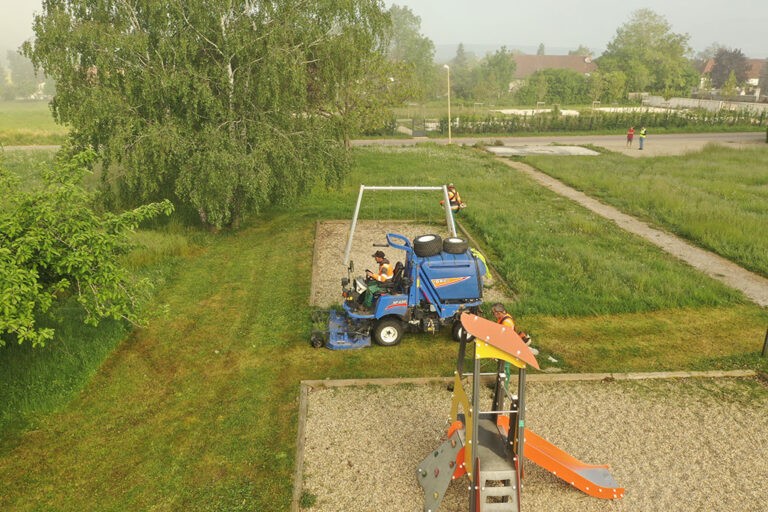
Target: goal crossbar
{"x":363,"y":188}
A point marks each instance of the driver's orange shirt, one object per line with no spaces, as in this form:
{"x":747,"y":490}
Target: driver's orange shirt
{"x":385,"y":272}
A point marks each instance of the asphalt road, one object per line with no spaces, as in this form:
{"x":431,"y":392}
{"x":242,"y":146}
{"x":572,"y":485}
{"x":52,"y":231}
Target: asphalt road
{"x":655,"y":145}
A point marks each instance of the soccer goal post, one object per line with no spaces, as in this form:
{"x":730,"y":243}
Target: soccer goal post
{"x":363,"y":189}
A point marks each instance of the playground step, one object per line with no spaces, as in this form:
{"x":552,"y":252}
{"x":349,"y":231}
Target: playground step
{"x":498,"y":491}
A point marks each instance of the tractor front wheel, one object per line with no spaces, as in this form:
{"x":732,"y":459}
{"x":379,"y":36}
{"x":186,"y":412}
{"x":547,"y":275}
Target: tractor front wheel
{"x":317,"y":339}
{"x":388,"y":332}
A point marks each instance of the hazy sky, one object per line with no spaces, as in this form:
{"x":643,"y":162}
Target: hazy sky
{"x":566,"y":24}
{"x":559,"y":24}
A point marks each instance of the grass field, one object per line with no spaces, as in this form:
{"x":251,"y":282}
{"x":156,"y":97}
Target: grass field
{"x":718,"y":198}
{"x":37,"y":122}
{"x":198,"y":411}
{"x":27,"y":165}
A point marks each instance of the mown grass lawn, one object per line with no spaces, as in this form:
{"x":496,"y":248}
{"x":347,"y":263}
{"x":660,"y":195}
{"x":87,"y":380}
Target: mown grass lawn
{"x":198,"y":411}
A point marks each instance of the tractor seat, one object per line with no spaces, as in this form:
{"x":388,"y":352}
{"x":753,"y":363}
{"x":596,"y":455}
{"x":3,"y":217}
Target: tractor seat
{"x":394,"y":284}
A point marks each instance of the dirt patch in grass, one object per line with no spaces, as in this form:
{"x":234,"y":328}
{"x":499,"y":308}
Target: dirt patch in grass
{"x":331,"y":241}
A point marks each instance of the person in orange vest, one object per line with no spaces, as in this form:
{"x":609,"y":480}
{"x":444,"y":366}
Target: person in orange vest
{"x":504,"y":318}
{"x":454,"y":199}
{"x":385,"y":273}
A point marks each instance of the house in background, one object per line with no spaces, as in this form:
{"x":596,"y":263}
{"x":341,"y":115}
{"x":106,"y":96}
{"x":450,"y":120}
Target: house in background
{"x":527,"y":65}
{"x":751,"y":86}
{"x":753,"y":77}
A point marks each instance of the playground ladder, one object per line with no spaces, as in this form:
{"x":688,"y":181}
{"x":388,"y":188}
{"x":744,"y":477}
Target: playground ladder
{"x":501,"y":487}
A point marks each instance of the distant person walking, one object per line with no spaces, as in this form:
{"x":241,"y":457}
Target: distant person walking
{"x":643,"y":134}
{"x":630,"y":136}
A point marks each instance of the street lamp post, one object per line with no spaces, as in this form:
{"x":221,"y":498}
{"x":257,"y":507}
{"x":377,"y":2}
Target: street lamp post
{"x":448,"y":69}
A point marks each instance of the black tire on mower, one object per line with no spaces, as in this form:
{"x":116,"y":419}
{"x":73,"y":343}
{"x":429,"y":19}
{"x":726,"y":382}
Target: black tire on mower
{"x":458,"y":331}
{"x":427,"y":245}
{"x":388,"y":332}
{"x":317,"y":339}
{"x":455,"y":245}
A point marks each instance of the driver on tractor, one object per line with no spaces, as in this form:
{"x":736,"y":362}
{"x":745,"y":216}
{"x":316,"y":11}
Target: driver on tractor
{"x":372,"y":279}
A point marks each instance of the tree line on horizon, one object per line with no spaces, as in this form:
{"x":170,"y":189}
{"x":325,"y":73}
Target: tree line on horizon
{"x":644,"y":56}
{"x":237,"y":105}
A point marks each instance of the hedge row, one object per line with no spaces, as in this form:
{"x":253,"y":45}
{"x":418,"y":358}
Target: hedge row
{"x":588,"y":121}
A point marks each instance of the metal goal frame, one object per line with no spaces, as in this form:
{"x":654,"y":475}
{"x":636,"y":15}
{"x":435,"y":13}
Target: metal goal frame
{"x":363,"y":188}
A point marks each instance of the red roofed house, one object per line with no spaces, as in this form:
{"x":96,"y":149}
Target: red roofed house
{"x":527,"y":65}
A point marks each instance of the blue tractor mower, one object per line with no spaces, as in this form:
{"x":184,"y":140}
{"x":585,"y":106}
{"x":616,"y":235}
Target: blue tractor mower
{"x":439,"y":280}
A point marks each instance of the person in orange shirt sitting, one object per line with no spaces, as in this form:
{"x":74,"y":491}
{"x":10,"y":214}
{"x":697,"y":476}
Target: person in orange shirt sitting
{"x":454,"y":199}
{"x":372,"y":279}
{"x":385,"y":272}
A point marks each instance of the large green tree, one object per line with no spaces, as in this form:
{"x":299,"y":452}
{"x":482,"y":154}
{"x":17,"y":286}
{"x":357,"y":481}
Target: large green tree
{"x":729,"y":62}
{"x":651,"y":56}
{"x":53,"y":245}
{"x":413,"y":51}
{"x":555,"y":86}
{"x":24,"y":81}
{"x":462,"y":73}
{"x":226,"y":106}
{"x":494,"y":74}
{"x":608,"y":87}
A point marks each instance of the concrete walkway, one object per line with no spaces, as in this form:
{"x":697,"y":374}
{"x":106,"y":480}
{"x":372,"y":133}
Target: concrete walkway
{"x":755,"y":287}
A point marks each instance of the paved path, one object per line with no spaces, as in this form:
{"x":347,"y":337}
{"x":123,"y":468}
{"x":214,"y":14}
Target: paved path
{"x":755,"y":287}
{"x":656,"y":145}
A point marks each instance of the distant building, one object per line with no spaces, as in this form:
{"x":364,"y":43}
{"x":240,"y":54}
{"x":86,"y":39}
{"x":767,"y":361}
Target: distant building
{"x":751,"y":84}
{"x":526,"y":65}
{"x":755,"y":71}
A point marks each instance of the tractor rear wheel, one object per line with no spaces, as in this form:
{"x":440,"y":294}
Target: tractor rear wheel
{"x":458,"y":332}
{"x":427,"y":245}
{"x":388,"y":332}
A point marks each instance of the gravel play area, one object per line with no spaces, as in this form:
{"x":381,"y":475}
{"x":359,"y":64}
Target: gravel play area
{"x":693,"y":444}
{"x":331,"y":240}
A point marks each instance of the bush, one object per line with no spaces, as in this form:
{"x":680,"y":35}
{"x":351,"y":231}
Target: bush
{"x":53,"y":246}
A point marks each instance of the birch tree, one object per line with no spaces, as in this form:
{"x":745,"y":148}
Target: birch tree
{"x":224,"y":106}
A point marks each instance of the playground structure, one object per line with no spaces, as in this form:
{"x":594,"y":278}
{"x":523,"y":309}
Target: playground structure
{"x":488,"y":447}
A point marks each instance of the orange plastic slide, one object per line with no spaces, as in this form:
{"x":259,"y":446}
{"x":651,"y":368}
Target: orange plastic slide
{"x":594,"y":480}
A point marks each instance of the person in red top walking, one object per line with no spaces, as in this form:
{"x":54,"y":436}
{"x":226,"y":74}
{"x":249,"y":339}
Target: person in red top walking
{"x":630,"y":136}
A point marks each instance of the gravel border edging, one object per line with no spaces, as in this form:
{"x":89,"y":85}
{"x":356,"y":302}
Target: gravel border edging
{"x":307,"y":385}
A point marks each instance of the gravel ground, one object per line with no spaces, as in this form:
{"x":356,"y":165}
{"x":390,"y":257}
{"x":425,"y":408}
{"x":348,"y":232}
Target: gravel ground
{"x":675,"y":445}
{"x":331,"y":241}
